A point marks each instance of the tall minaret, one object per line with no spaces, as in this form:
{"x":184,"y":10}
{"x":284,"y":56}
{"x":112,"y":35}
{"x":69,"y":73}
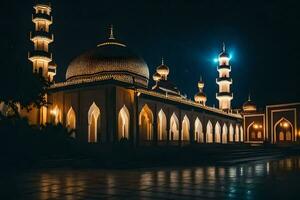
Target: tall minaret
{"x":224,"y":81}
{"x":41,"y":38}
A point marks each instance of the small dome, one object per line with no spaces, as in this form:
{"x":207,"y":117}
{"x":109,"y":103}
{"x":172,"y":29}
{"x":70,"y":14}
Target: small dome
{"x":201,"y":84}
{"x":163,"y":70}
{"x":200,"y":97}
{"x":249,"y":106}
{"x":110,"y":59}
{"x":156,"y":76}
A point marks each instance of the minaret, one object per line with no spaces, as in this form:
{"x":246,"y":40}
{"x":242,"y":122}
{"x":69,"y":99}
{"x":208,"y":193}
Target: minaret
{"x":224,"y":81}
{"x":41,"y":38}
{"x":200,"y":97}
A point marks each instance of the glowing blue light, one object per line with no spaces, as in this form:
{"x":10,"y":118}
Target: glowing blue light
{"x":216,"y":60}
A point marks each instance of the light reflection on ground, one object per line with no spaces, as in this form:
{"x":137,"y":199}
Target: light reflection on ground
{"x":278,"y":179}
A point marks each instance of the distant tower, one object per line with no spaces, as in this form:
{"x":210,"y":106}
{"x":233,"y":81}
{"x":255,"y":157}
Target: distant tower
{"x":224,"y":81}
{"x":42,"y":37}
{"x":200,"y":97}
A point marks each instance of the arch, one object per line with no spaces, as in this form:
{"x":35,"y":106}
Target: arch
{"x":185,"y":128}
{"x":217,"y":133}
{"x":237,"y":133}
{"x":56,"y":114}
{"x":231,"y":133}
{"x":174,"y":127}
{"x":162,"y":125}
{"x":71,"y":121}
{"x":199,"y":137}
{"x":255,"y":131}
{"x":123,"y":123}
{"x":224,"y":134}
{"x":241,"y":134}
{"x":209,"y":132}
{"x":93,"y":122}
{"x":283,"y":130}
{"x":146,"y":123}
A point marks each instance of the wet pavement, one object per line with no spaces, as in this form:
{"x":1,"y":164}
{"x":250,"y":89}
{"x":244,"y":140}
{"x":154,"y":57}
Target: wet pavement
{"x":273,"y":179}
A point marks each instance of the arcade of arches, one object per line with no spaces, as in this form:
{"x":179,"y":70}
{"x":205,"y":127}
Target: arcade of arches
{"x":214,"y":132}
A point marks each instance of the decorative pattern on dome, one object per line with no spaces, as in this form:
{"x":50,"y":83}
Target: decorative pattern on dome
{"x":109,"y":57}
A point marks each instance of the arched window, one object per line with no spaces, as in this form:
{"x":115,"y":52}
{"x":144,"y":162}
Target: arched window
{"x":123,"y":123}
{"x":162,"y":125}
{"x":185,"y":128}
{"x":71,"y":121}
{"x":209,"y":132}
{"x":224,"y":134}
{"x":93,"y":123}
{"x":241,"y":134}
{"x":283,"y":129}
{"x":199,"y":137}
{"x":231,"y":133}
{"x":146,"y":124}
{"x":218,"y":133}
{"x":174,"y":127}
{"x":237,"y":133}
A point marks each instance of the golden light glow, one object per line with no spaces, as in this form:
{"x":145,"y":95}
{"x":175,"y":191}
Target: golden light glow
{"x":54,"y":112}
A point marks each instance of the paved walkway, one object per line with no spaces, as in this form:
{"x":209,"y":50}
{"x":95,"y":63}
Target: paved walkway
{"x":279,"y":179}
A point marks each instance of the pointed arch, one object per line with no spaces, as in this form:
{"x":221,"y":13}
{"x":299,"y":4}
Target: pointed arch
{"x":185,"y":128}
{"x":209,"y":132}
{"x":71,"y":121}
{"x":283,"y":131}
{"x":174,"y":127}
{"x":146,"y":123}
{"x":123,"y":123}
{"x":93,"y":123}
{"x":237,"y":133}
{"x":217,"y":133}
{"x":199,"y":137}
{"x":162,"y":125}
{"x":231,"y":133}
{"x":56,"y":114}
{"x":224,"y":134}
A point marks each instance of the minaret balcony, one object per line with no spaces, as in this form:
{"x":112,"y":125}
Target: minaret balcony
{"x":224,"y":94}
{"x":40,"y":55}
{"x":41,"y":35}
{"x":224,"y":79}
{"x":41,"y":16}
{"x":224,"y":67}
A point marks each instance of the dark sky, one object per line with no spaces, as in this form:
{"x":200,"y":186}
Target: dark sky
{"x":263,"y":37}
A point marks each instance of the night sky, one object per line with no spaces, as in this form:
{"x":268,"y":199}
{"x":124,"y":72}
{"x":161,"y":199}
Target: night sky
{"x":263,"y":38}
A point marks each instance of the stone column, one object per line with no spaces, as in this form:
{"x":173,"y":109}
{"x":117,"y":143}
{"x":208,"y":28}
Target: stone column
{"x":155,"y":136}
{"x":168,"y":126}
{"x":180,"y":129}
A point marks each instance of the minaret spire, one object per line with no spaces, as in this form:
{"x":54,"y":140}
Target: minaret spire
{"x":111,"y":32}
{"x":224,"y":47}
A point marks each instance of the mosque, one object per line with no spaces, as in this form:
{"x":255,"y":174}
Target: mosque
{"x":106,"y":97}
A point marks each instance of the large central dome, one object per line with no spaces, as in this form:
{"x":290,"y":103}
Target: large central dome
{"x":109,"y":60}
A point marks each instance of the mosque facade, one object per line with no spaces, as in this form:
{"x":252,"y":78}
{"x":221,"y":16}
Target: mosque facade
{"x":106,"y":98}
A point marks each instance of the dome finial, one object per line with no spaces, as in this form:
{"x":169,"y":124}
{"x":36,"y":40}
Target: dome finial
{"x":111,"y":34}
{"x":224,"y":48}
{"x":201,"y":78}
{"x":162,"y":61}
{"x":249,"y":97}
